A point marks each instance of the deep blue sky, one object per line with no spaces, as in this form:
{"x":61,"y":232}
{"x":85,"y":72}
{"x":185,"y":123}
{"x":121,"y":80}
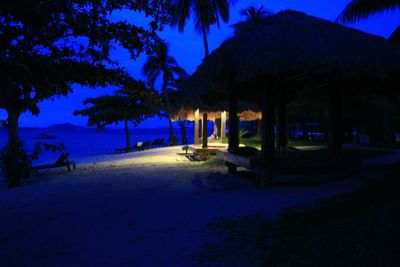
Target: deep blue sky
{"x":188,"y":49}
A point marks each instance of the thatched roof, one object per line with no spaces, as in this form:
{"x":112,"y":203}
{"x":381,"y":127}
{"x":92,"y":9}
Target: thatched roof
{"x":291,"y":42}
{"x":246,"y":111}
{"x":186,"y":102}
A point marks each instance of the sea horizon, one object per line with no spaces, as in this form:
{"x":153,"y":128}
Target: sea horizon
{"x":84,"y":141}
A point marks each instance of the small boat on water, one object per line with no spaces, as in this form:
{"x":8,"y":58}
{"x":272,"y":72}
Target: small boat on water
{"x":46,"y":136}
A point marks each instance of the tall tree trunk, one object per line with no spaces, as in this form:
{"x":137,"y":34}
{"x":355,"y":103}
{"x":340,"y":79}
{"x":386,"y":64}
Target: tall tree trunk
{"x":13,"y":175}
{"x":168,"y":108}
{"x":205,"y":41}
{"x":13,"y":133}
{"x":127,"y":136}
{"x":171,"y":133}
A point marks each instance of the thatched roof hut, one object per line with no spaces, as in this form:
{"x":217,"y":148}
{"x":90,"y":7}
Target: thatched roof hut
{"x":292,"y":43}
{"x":187,"y":101}
{"x":331,"y":57}
{"x":246,"y":112}
{"x":188,"y":105}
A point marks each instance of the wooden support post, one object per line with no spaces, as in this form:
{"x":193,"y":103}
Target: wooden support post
{"x":223,"y":127}
{"x":233,"y":120}
{"x":335,"y":131}
{"x":268,"y":131}
{"x":196,"y":127}
{"x":205,"y":130}
{"x":217,"y":127}
{"x":200,"y":129}
{"x":282,"y":121}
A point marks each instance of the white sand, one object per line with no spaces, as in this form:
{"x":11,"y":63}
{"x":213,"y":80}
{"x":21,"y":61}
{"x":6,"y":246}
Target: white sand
{"x":138,"y":209}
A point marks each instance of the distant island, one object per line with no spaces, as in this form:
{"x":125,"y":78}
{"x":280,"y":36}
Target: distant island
{"x":66,"y":126}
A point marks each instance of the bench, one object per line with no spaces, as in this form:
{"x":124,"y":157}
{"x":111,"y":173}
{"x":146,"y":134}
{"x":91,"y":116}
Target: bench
{"x":62,"y":161}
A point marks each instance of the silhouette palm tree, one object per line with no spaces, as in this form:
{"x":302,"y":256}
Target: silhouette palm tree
{"x":207,"y":13}
{"x":360,"y":9}
{"x":253,"y":16}
{"x":161,"y":64}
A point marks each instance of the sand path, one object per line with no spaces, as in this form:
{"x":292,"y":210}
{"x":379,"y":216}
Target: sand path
{"x":129,"y":210}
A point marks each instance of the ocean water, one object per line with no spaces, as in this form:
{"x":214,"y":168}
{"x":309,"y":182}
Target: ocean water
{"x":83,"y":142}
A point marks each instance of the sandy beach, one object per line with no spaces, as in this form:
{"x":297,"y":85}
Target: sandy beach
{"x":148,"y":208}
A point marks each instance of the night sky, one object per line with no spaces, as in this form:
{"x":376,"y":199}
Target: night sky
{"x":188,"y":49}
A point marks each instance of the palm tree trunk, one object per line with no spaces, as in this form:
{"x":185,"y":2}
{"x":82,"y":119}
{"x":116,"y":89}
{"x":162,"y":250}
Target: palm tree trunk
{"x":168,"y":108}
{"x":171,"y":133}
{"x":205,"y":41}
{"x":127,"y":136}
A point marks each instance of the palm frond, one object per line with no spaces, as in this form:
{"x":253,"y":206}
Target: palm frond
{"x":171,"y":61}
{"x":360,"y":9}
{"x":182,"y":14}
{"x":254,"y":17}
{"x":179,"y":72}
{"x":160,"y":63}
{"x":150,"y":64}
{"x":152,"y":77}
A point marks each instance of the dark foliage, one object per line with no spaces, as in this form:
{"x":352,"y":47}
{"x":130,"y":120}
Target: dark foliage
{"x":254,"y":17}
{"x":16,"y":164}
{"x":206,"y":13}
{"x":40,"y":147}
{"x":362,"y":9}
{"x":133,"y":103}
{"x":161,"y":65}
{"x":47,"y":46}
{"x":359,"y":9}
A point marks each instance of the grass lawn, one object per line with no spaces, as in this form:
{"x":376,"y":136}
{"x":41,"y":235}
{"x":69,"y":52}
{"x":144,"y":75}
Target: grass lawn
{"x":254,"y":141}
{"x":303,"y":149}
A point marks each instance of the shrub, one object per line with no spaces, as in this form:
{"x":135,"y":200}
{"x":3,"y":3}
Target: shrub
{"x":16,"y":164}
{"x":40,"y":147}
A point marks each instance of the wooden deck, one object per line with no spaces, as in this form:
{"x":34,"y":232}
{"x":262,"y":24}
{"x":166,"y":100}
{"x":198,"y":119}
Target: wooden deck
{"x":252,"y":164}
{"x":291,"y":170}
